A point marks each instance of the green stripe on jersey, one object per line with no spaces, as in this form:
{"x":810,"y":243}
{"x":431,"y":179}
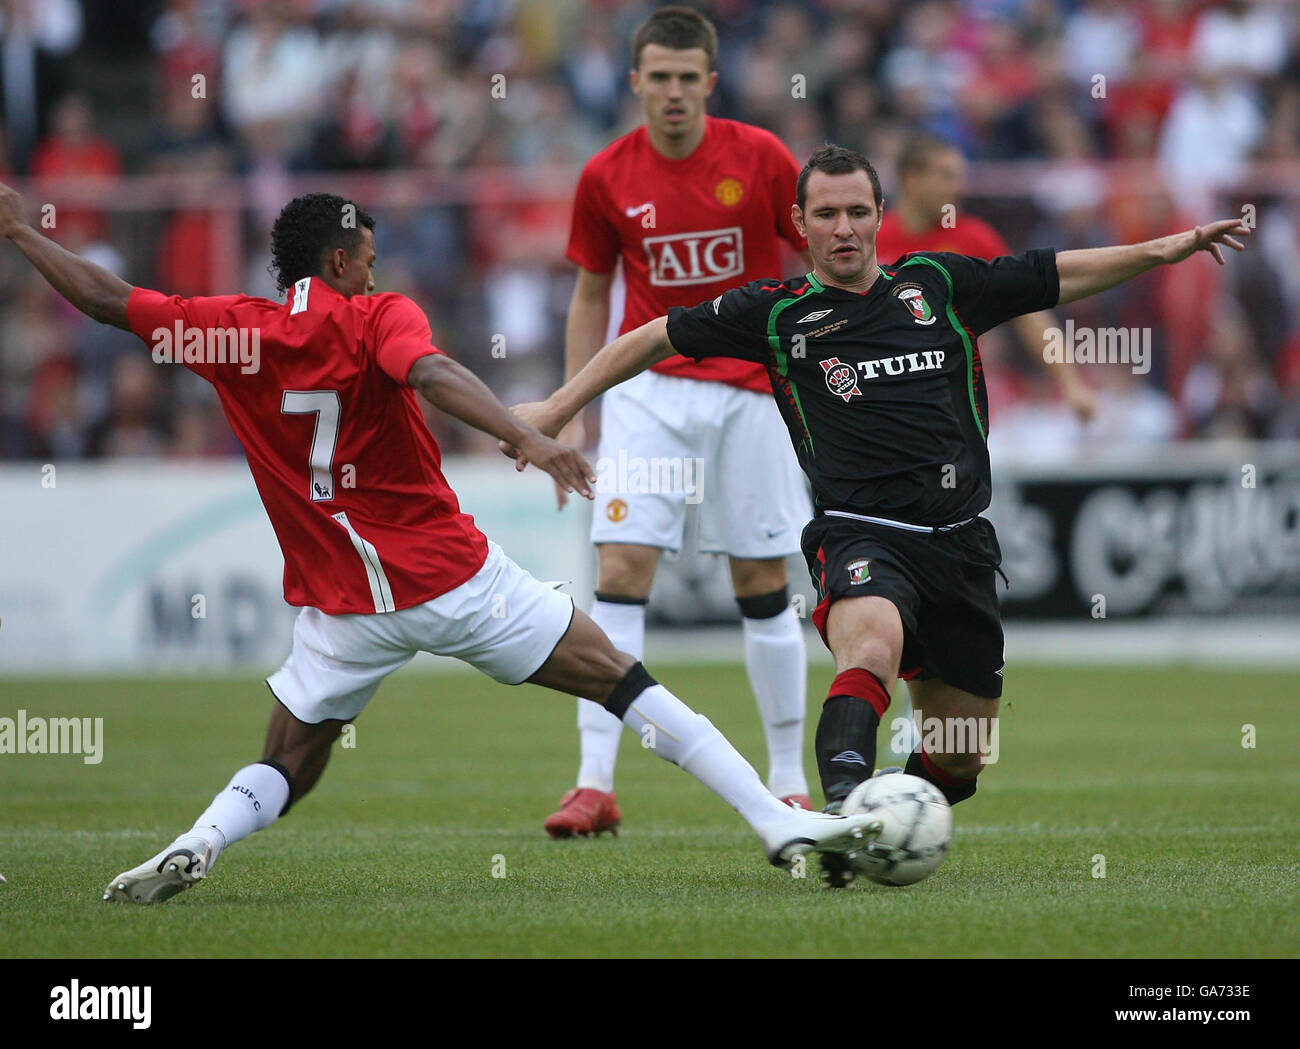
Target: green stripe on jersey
{"x":783,"y":359}
{"x":961,"y":332}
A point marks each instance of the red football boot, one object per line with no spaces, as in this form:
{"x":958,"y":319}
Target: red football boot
{"x":584,"y":811}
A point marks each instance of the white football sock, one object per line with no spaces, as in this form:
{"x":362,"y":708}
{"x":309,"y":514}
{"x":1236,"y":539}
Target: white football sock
{"x":252,"y":800}
{"x":676,"y":733}
{"x":777,"y":663}
{"x":600,"y":731}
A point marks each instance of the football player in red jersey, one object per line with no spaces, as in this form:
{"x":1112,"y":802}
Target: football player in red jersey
{"x":931,"y":183}
{"x":376,"y":549}
{"x":690,"y":206}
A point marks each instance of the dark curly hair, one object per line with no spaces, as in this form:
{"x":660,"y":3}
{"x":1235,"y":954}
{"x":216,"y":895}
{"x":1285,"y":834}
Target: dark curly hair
{"x":308,"y":229}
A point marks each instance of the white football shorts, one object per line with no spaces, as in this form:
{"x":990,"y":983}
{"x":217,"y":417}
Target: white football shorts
{"x":501,"y":621}
{"x":666,"y":442}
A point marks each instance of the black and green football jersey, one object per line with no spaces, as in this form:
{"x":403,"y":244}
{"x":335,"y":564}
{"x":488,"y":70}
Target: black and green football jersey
{"x":883,"y":391}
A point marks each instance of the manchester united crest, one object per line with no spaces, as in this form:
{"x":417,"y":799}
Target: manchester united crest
{"x":729,"y":191}
{"x":616,"y":511}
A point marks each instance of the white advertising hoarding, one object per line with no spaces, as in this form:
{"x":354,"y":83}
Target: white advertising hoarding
{"x":167,"y":565}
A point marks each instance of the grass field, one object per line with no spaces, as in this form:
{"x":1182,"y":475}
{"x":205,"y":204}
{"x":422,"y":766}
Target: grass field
{"x":393,"y":854}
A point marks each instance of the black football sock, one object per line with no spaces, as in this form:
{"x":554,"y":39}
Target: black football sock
{"x":846,"y":731}
{"x":954,"y":788}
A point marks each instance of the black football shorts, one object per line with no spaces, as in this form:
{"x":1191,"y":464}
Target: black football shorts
{"x":943,"y":585}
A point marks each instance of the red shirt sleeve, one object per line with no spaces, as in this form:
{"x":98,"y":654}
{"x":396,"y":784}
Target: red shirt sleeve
{"x":785,"y":174}
{"x":163,"y":320}
{"x":400,"y":336}
{"x":593,"y":241}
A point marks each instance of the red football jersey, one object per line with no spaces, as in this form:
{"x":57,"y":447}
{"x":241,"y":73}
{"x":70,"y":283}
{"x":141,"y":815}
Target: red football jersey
{"x":970,"y":236}
{"x":348,"y":472}
{"x":687,"y":230}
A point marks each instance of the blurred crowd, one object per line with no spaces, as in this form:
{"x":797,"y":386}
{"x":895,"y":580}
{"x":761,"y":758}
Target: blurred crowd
{"x":1109,"y":121}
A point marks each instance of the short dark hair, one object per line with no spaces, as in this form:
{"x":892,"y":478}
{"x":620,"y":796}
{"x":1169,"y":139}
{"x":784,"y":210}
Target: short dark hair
{"x":838,"y":160}
{"x":679,"y":28}
{"x":309,"y":228}
{"x":918,"y":149}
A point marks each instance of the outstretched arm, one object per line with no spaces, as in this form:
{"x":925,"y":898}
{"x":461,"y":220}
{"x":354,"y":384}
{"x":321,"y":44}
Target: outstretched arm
{"x":454,"y":389}
{"x":1090,"y":270}
{"x":628,"y":355}
{"x":99,"y":294}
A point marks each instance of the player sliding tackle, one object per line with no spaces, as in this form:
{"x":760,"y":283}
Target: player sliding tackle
{"x":877,"y":374}
{"x":388,"y":565}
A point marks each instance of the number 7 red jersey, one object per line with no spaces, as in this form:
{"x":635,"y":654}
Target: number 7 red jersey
{"x":351,"y":478}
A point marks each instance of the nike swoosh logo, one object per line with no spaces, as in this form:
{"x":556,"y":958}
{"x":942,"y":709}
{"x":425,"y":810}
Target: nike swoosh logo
{"x":634,"y":212}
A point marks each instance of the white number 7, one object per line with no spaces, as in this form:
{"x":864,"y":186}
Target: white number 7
{"x":324,"y":404}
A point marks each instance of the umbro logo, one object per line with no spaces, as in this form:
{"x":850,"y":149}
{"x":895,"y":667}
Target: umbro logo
{"x":815,"y":316}
{"x":850,"y":757}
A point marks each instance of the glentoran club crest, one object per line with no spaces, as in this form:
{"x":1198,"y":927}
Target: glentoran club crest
{"x":859,"y":571}
{"x":913,"y":298}
{"x":729,"y":191}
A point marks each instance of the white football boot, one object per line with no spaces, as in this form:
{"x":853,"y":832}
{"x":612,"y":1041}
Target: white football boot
{"x":805,"y":832}
{"x":183,"y":863}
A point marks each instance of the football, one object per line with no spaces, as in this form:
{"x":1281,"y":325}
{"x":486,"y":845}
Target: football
{"x":917,"y":828}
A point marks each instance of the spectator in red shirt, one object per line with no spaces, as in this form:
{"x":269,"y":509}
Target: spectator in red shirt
{"x":931,"y":181}
{"x":73,"y":148}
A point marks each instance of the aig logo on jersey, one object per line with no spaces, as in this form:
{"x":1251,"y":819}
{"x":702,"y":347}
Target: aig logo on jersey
{"x":913,"y":298}
{"x":841,"y":378}
{"x":695,"y":258}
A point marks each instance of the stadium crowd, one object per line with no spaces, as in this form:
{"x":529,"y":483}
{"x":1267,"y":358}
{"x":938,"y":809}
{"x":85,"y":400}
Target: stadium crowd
{"x":1086,"y":122}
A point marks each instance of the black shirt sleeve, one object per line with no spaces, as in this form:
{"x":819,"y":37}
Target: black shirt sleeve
{"x":985,"y":293}
{"x":732,"y":325}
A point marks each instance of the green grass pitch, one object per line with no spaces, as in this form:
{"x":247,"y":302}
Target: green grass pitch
{"x":451,"y":776}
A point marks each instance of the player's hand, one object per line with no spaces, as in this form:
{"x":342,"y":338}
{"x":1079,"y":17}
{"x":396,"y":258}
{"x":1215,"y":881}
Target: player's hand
{"x":566,"y":465}
{"x":537,"y":416}
{"x":1209,"y":238}
{"x":13,"y":215}
{"x":575,"y":436}
{"x":540,"y":416}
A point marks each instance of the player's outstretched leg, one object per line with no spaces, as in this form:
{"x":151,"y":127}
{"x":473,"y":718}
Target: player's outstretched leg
{"x":585,"y":663}
{"x":776,"y":662}
{"x":293,"y":759}
{"x":953,"y":769}
{"x":627,"y":572}
{"x":866,"y":636}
